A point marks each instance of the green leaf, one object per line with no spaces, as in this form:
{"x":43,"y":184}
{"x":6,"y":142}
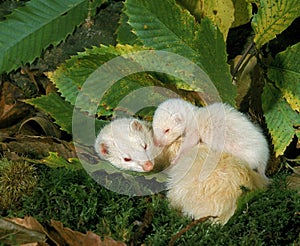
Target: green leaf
{"x":285,"y":72}
{"x":213,"y":56}
{"x":220,"y":12}
{"x":55,"y":161}
{"x":111,"y":169}
{"x":71,"y":76}
{"x":194,"y":6}
{"x":38,"y":24}
{"x":272,"y":18}
{"x":124,"y":34}
{"x":57,"y":107}
{"x":94,"y":5}
{"x":129,"y":86}
{"x":280,"y":118}
{"x":126,"y":182}
{"x":61,"y":111}
{"x":242,"y":12}
{"x":163,"y":25}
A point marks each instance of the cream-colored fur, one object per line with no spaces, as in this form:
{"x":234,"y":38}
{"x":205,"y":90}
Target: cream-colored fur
{"x":196,"y":189}
{"x":218,"y":125}
{"x":216,"y":195}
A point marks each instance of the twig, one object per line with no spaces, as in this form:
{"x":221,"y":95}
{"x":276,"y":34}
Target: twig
{"x":293,"y":160}
{"x":146,"y":223}
{"x":240,"y":62}
{"x":30,"y":74}
{"x":188,"y":227}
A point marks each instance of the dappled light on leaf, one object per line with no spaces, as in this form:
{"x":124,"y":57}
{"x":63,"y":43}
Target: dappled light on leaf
{"x":285,"y":72}
{"x":280,"y":118}
{"x":172,"y":29}
{"x":220,"y":12}
{"x":272,"y":18}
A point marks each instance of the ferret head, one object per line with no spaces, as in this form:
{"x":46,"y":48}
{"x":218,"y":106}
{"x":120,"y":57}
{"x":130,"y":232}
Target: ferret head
{"x":169,"y":121}
{"x":127,"y":144}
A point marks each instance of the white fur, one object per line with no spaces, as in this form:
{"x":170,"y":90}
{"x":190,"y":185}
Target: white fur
{"x":215,"y":196}
{"x":218,"y":125}
{"x":127,"y":144}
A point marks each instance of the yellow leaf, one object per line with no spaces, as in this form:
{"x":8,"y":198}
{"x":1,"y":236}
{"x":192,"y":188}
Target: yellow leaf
{"x":280,"y":118}
{"x":242,"y":13}
{"x":285,"y":72}
{"x":272,"y":18}
{"x":220,"y":12}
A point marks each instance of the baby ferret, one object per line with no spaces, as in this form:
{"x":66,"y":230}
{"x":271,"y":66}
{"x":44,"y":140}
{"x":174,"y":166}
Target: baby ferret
{"x":127,"y":144}
{"x":218,"y":193}
{"x":219,"y":126}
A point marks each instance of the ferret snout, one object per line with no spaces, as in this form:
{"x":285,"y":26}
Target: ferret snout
{"x":148,"y":166}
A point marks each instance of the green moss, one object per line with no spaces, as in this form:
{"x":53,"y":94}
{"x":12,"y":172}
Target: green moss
{"x":271,"y":217}
{"x":268,"y":217}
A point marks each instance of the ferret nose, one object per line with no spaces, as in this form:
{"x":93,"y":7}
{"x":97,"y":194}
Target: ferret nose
{"x":147,"y":166}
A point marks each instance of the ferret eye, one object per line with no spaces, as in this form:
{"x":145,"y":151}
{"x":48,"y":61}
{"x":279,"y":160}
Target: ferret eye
{"x":166,"y":131}
{"x":127,"y":159}
{"x":145,"y":146}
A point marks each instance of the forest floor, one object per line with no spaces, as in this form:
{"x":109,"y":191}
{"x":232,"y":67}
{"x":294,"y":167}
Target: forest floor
{"x":59,"y":195}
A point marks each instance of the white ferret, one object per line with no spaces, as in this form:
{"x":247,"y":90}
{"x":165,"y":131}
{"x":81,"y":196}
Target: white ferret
{"x":215,"y":196}
{"x":218,"y":125}
{"x":127,"y":144}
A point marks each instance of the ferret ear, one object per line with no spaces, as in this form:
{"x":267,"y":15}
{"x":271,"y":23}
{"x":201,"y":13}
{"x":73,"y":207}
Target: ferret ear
{"x":103,"y":149}
{"x":135,"y":125}
{"x":177,"y":117}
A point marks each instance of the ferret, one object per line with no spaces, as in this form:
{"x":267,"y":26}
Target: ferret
{"x":127,"y":144}
{"x":218,"y":125}
{"x":215,"y":196}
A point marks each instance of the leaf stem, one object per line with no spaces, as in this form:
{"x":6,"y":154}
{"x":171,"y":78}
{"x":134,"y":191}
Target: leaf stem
{"x":240,"y":62}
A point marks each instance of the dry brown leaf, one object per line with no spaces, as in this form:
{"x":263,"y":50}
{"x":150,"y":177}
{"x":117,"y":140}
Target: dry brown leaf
{"x":46,"y":127}
{"x":29,"y":223}
{"x":21,"y":231}
{"x":244,"y":77}
{"x":76,"y":238}
{"x":73,"y":237}
{"x":38,"y":146}
{"x":11,"y":109}
{"x":294,"y":179}
{"x":29,"y":232}
{"x":110,"y":242}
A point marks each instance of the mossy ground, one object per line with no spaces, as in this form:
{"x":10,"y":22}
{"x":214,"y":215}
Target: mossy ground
{"x":268,"y":217}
